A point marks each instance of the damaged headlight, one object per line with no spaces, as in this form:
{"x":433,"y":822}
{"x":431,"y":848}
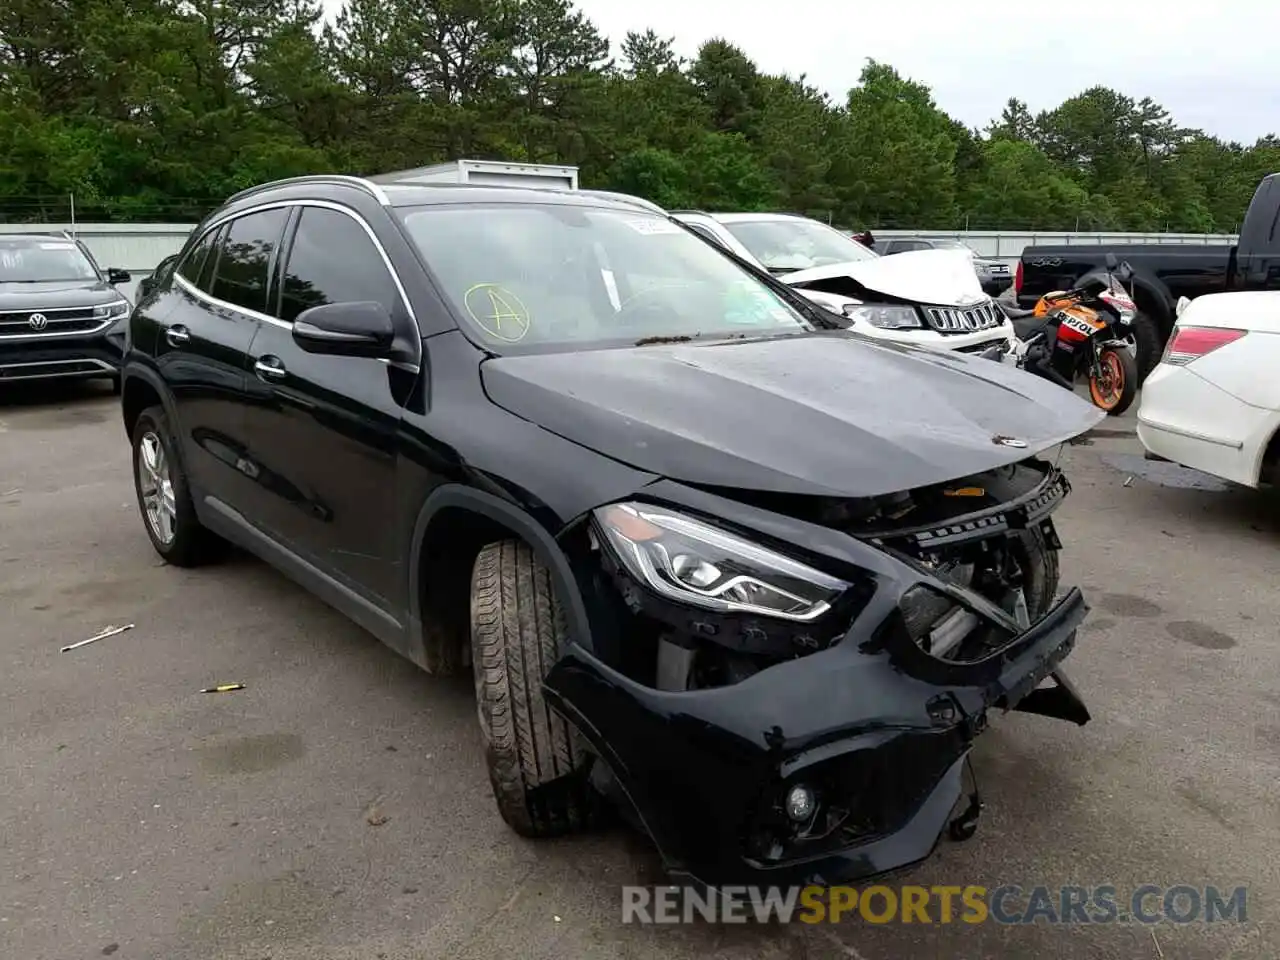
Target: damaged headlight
{"x":885,"y":316}
{"x":691,"y":562}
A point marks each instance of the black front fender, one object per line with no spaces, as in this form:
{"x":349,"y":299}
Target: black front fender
{"x":135,"y":372}
{"x":508,"y":514}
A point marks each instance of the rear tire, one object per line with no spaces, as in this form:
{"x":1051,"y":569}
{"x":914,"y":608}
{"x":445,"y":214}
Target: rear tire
{"x":179,"y":538}
{"x":518,"y":631}
{"x":1125,"y":369}
{"x":1150,"y":342}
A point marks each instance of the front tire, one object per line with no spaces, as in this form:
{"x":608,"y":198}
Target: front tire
{"x":164,"y":499}
{"x":1040,"y":572}
{"x":1037,"y":559}
{"x":518,"y":631}
{"x":1114,"y":393}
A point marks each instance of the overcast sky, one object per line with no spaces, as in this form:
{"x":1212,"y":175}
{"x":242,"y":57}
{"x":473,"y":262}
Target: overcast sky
{"x":1214,"y":64}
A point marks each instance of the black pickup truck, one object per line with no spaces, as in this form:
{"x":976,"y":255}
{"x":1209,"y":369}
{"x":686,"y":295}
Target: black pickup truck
{"x":1165,"y":272}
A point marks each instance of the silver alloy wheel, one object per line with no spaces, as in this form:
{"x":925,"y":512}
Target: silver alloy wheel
{"x":156,"y":488}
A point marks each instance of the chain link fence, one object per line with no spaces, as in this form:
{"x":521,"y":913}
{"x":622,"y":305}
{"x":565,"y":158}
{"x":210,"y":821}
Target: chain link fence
{"x":77,"y":209}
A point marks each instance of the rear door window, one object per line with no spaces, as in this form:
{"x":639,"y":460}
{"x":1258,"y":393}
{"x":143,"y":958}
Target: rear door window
{"x":246,"y":255}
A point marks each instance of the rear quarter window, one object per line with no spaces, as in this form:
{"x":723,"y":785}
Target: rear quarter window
{"x":193,"y":266}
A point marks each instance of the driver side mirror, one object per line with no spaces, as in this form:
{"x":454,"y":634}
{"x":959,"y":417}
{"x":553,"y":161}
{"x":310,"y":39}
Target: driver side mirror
{"x":116,"y":275}
{"x":1183,"y":303}
{"x":356,"y":329}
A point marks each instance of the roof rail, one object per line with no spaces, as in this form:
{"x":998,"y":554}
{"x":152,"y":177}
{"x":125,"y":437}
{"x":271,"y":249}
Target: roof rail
{"x":367,"y":186}
{"x":627,"y":198}
{"x":701,"y":213}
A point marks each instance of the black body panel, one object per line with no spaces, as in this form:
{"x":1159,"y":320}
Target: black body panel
{"x":822,"y":414}
{"x":368,"y":478}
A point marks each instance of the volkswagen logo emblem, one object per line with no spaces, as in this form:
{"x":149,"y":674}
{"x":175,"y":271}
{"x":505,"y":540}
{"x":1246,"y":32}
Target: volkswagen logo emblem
{"x":37,"y":321}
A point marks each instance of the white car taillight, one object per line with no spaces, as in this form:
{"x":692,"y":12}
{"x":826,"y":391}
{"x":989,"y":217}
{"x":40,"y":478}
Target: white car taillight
{"x":1192,"y":343}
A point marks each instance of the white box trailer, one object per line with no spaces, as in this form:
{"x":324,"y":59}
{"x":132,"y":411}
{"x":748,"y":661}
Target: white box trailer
{"x":489,"y":172}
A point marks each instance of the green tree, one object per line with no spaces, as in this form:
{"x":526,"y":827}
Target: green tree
{"x":894,"y":159}
{"x":730,"y":86}
{"x":1020,"y":187}
{"x":159,"y":108}
{"x":794,"y":143}
{"x":558,"y":66}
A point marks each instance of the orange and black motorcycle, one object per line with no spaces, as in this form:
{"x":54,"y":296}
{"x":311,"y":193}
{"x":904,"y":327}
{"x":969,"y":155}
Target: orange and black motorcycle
{"x":1084,"y":331}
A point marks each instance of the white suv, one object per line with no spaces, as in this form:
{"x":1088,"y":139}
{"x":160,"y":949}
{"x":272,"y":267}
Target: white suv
{"x":930,"y":298}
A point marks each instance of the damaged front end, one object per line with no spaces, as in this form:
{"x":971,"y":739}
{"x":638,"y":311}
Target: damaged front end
{"x":786,"y":690}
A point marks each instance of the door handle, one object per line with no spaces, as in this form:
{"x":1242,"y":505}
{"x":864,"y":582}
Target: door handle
{"x":269,"y":368}
{"x":177,"y":335}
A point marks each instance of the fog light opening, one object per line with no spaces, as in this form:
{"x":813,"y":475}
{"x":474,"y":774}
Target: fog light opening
{"x":800,"y":803}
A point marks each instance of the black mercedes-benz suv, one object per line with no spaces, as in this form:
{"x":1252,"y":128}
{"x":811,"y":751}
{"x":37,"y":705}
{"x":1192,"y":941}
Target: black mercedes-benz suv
{"x":60,"y":313}
{"x":714,"y":560}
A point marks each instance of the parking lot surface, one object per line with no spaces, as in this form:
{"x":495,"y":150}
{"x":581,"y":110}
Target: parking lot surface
{"x":338,"y":806}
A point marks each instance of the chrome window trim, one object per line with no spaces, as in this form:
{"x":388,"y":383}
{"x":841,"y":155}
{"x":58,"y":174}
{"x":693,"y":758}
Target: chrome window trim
{"x":195,"y":291}
{"x":210,"y":299}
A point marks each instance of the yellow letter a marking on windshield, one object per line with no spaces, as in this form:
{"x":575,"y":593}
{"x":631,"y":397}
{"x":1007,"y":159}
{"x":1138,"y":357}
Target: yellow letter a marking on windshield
{"x":505,"y":311}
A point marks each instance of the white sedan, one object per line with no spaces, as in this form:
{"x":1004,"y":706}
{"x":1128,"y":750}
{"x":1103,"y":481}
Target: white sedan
{"x":1213,"y":402}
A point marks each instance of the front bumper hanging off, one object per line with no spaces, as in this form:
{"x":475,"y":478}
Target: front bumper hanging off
{"x":881,"y":744}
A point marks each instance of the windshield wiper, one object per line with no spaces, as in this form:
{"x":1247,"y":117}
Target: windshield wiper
{"x":721,"y":335}
{"x":677,"y":338}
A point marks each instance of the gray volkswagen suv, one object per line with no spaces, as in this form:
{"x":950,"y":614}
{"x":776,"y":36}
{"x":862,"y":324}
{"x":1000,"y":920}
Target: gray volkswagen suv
{"x":60,"y":313}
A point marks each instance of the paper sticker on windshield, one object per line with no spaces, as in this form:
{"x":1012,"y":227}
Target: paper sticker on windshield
{"x":652,"y":225}
{"x":499,"y":312}
{"x":749,"y":303}
{"x":57,"y":245}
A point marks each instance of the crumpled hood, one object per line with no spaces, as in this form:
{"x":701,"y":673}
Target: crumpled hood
{"x":831,"y":413}
{"x":941,"y":277}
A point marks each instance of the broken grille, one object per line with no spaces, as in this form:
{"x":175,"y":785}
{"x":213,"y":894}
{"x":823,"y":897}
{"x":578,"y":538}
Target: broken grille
{"x":984,"y":316}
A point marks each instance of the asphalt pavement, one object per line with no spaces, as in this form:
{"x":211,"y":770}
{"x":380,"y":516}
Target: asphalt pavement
{"x":338,"y":807}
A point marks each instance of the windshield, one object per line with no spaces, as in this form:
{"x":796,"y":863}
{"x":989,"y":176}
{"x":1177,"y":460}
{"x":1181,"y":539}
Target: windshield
{"x":796,"y":243}
{"x":36,"y":261}
{"x":528,"y":276}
